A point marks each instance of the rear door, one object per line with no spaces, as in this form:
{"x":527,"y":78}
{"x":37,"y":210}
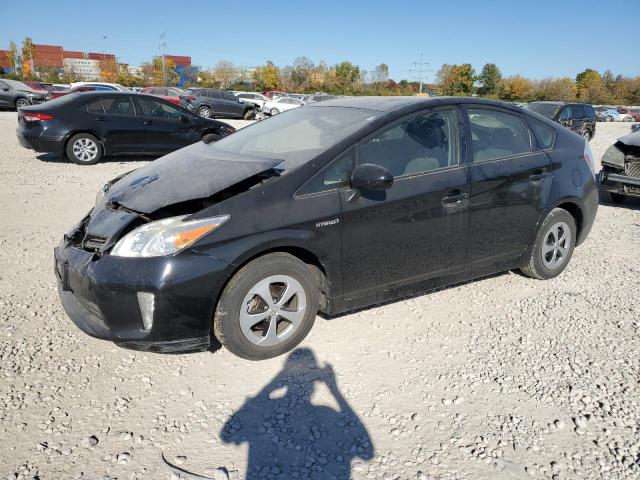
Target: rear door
{"x":418,"y":228}
{"x":124,"y":131}
{"x":510,"y":182}
{"x":232,"y":106}
{"x":6,"y":98}
{"x":166,"y":128}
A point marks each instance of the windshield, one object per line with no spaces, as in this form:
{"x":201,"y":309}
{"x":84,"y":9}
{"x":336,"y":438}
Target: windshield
{"x":297,"y":135}
{"x":548,"y":110}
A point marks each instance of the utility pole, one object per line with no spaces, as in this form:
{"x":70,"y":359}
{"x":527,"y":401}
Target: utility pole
{"x":163,"y":49}
{"x":420,"y":70}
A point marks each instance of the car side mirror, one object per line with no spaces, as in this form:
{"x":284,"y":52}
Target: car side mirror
{"x":369,"y":177}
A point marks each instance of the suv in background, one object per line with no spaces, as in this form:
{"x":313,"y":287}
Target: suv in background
{"x":210,"y":102}
{"x":578,"y":117}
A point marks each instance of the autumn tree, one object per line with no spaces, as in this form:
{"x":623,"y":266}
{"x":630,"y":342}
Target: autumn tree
{"x":490,"y":79}
{"x":300,"y":73}
{"x":27,"y":57}
{"x":225,"y":72}
{"x":591,"y":88}
{"x":14,"y":58}
{"x":558,"y":89}
{"x":516,"y":88}
{"x":153,"y":74}
{"x":267,"y":76}
{"x":456,"y":80}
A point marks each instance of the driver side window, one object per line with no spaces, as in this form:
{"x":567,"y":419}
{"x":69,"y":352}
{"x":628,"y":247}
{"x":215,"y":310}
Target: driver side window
{"x":565,"y":113}
{"x":418,"y":144}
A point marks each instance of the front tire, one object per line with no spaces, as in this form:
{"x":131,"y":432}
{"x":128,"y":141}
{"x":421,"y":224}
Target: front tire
{"x":210,"y":138}
{"x":84,"y":149}
{"x":267,"y":308}
{"x":611,"y":197}
{"x":553,"y":247}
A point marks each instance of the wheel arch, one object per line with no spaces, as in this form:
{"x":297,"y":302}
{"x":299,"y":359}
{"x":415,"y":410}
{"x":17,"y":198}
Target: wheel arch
{"x":71,"y":134}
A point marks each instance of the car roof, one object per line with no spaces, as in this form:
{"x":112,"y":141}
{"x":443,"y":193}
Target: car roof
{"x":547,"y":102}
{"x":388,"y":104}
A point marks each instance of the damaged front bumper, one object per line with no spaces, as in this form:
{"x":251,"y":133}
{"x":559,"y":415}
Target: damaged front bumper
{"x":100,"y":295}
{"x":619,"y":183}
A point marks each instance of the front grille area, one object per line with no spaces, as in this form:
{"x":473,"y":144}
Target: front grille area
{"x":632,"y":169}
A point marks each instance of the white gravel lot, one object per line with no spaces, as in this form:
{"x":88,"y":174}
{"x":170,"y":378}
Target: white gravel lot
{"x":502,"y":378}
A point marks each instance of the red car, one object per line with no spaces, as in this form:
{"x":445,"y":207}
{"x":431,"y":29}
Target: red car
{"x":634,"y":113}
{"x":171,"y":94}
{"x":273,"y":93}
{"x":79,"y":88}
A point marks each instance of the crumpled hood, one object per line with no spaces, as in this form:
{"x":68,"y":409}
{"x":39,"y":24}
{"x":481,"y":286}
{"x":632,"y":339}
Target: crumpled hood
{"x":192,"y":173}
{"x":631,"y":140}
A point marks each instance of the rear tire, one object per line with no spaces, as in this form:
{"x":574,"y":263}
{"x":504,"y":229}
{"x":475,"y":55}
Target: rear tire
{"x":22,"y":102}
{"x":554,"y":246}
{"x":205,"y":112}
{"x":255,"y":328}
{"x":84,"y":149}
{"x":249,"y":114}
{"x":274,"y":111}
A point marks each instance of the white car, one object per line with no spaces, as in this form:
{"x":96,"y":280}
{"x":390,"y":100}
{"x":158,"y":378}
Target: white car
{"x":280,"y":104}
{"x":252,"y":97}
{"x":112,"y":86}
{"x":612,"y":115}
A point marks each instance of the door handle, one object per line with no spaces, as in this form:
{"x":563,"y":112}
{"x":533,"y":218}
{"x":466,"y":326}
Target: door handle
{"x":537,"y":176}
{"x":456,"y":201}
{"x":101,"y":119}
{"x":148,"y":122}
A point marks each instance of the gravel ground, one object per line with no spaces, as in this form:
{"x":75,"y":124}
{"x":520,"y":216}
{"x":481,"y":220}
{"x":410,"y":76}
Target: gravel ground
{"x":502,"y":378}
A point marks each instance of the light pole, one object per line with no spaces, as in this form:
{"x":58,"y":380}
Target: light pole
{"x":163,"y":48}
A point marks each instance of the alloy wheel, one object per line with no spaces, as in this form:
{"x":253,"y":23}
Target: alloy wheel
{"x":204,"y":112}
{"x":21,"y":102}
{"x":272,"y":310}
{"x":85,"y":149}
{"x":556,"y":246}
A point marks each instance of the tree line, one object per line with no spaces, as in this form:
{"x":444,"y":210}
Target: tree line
{"x":347,"y":78}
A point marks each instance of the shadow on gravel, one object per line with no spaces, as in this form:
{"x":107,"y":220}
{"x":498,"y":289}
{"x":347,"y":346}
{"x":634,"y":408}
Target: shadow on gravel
{"x":288,"y":436}
{"x":629,"y":203}
{"x":53,"y":158}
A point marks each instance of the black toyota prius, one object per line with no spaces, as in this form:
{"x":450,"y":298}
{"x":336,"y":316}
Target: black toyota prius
{"x":332,"y":207}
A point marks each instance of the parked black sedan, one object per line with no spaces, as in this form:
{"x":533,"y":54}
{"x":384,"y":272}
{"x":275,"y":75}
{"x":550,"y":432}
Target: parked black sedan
{"x":88,"y":126}
{"x":336,"y":206}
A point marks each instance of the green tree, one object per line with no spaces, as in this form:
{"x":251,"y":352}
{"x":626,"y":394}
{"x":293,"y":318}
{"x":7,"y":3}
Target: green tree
{"x":490,"y":79}
{"x":347,"y":76}
{"x":582,"y":74}
{"x":14,"y":58}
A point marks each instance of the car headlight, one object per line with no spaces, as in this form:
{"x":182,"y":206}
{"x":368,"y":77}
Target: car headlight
{"x":165,"y":237}
{"x":101,"y":193}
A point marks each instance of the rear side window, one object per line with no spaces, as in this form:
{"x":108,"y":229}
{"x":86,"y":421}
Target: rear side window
{"x":589,"y":112}
{"x":497,"y":134}
{"x":95,"y":106}
{"x":118,"y":105}
{"x":577,"y":111}
{"x":229,"y":96}
{"x":545,"y":135}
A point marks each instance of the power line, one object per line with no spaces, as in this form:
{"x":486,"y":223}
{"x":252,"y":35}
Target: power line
{"x":420,"y":72}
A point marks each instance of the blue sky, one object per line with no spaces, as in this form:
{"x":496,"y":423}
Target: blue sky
{"x":534,"y":38}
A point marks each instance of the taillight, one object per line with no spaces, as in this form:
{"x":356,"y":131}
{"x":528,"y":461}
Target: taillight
{"x":588,"y":157}
{"x":35,"y":116}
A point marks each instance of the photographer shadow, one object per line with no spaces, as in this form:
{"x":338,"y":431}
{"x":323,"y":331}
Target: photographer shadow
{"x":288,"y":436}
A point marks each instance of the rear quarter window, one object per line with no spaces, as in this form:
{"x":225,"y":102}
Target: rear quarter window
{"x":544,"y":134}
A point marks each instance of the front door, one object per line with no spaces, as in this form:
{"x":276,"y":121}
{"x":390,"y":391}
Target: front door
{"x":417,"y":229}
{"x":166,"y":127}
{"x":510,"y":182}
{"x":6,"y":98}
